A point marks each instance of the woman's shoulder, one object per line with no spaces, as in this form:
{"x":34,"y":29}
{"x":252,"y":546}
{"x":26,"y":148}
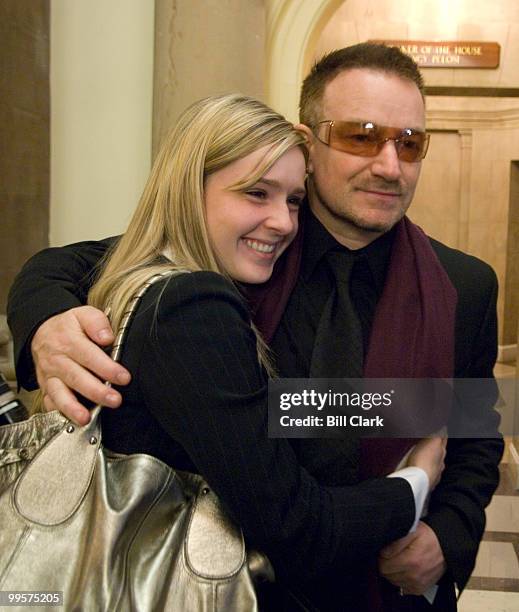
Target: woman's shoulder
{"x":196,"y":291}
{"x":193,"y":311}
{"x":186,"y":285}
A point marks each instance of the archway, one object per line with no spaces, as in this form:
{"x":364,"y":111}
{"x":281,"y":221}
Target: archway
{"x":292,"y":28}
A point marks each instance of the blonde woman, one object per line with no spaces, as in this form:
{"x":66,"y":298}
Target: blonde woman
{"x":222,"y":203}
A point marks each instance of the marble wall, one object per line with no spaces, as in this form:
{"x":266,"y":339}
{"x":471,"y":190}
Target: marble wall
{"x":472,"y":159}
{"x":512,"y":254}
{"x":492,"y":213}
{"x":437,"y":196}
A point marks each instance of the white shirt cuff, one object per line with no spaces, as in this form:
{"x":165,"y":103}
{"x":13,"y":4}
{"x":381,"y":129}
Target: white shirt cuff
{"x":419,"y":482}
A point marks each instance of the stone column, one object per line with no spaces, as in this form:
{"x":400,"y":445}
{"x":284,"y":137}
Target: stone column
{"x":24,"y":135}
{"x":203,"y":47}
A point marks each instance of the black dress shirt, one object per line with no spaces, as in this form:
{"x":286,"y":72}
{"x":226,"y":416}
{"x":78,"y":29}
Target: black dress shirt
{"x":314,"y":287}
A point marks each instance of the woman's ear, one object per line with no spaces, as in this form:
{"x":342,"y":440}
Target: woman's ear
{"x":310,"y":143}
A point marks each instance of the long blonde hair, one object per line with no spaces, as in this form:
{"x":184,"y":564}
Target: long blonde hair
{"x":170,"y":216}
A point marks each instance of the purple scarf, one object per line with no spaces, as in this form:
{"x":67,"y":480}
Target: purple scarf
{"x":413,"y":329}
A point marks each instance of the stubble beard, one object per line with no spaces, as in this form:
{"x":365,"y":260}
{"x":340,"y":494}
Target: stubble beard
{"x":343,"y":214}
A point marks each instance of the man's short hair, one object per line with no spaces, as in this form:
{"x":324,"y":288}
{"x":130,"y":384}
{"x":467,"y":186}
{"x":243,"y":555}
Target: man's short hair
{"x":364,"y":55}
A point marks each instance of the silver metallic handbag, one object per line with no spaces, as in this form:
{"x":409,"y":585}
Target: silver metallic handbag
{"x":115,"y":532}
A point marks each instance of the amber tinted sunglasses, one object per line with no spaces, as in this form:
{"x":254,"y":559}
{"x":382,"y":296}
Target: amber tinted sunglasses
{"x":367,"y":139}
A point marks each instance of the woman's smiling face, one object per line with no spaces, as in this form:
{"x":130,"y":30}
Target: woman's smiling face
{"x":250,"y":228}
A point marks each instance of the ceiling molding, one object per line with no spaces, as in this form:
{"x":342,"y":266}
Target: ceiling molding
{"x":458,"y":119}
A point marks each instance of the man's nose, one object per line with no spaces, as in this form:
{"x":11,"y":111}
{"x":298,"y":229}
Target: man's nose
{"x":386,"y":164}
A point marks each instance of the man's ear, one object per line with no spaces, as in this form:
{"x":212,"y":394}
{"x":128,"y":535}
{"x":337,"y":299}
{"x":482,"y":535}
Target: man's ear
{"x":310,"y":143}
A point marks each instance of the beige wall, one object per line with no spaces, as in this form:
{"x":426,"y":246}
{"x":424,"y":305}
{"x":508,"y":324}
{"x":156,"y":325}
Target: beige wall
{"x":101,"y":113}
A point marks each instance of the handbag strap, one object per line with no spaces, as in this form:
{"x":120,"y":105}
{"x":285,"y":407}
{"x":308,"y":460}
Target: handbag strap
{"x":133,"y":304}
{"x":132,"y":307}
{"x":52,"y":486}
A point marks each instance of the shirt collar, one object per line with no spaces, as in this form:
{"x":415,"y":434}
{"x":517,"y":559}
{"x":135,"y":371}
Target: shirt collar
{"x":318,"y":241}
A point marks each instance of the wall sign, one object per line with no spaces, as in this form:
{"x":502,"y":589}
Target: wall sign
{"x":449,"y":54}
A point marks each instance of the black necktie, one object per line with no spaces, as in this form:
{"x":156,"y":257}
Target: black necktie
{"x":338,"y":350}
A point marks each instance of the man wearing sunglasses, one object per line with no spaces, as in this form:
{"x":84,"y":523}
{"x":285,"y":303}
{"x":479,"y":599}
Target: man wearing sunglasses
{"x":416,"y":308}
{"x":423,"y":309}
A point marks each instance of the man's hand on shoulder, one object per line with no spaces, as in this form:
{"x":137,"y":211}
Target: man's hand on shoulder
{"x":67,"y":358}
{"x":415,"y":562}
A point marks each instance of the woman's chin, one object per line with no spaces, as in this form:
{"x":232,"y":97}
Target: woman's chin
{"x":254,"y":274}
